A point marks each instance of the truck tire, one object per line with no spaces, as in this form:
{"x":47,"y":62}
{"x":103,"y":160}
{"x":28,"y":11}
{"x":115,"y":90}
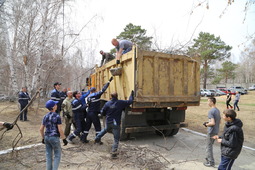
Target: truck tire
{"x":174,"y":132}
{"x":123,"y":134}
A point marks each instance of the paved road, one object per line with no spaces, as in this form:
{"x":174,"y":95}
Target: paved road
{"x":188,"y":150}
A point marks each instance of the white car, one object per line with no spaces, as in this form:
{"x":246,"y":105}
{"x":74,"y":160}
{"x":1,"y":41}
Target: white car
{"x":252,"y":87}
{"x":206,"y":93}
{"x":240,"y":89}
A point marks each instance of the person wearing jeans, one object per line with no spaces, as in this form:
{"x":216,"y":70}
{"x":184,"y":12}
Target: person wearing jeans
{"x":212,"y":130}
{"x":113,"y":110}
{"x":50,"y":137}
{"x":52,"y":144}
{"x":122,"y":47}
{"x":237,"y":98}
{"x":231,"y":141}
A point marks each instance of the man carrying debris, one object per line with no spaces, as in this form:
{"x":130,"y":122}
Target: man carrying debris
{"x":106,"y":57}
{"x":113,"y":110}
{"x":122,"y":47}
{"x":94,"y":109}
{"x":23,"y":101}
{"x":79,"y":114}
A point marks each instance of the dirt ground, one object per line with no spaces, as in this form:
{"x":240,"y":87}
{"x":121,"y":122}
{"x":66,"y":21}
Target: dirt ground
{"x":131,"y":156}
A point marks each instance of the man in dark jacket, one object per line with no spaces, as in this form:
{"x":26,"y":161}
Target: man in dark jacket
{"x":231,"y":140}
{"x":55,"y":96}
{"x":93,"y":101}
{"x":23,"y":101}
{"x":113,"y":110}
{"x":79,"y":114}
{"x":106,"y":57}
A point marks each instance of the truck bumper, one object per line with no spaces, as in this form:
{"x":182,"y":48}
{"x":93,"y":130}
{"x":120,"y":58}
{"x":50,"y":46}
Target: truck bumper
{"x":153,"y":128}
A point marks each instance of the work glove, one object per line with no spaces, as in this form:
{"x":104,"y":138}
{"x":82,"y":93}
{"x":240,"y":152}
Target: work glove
{"x":205,"y":123}
{"x":8,"y":126}
{"x":65,"y":142}
{"x":117,"y":61}
{"x":110,"y":79}
{"x":43,"y":141}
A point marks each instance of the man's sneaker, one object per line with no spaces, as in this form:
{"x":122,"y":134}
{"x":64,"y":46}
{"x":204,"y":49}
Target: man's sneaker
{"x":114,"y":155}
{"x":85,"y":141}
{"x":69,"y":141}
{"x":209,"y":164}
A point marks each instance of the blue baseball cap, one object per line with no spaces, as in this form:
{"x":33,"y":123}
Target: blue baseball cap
{"x":50,"y":104}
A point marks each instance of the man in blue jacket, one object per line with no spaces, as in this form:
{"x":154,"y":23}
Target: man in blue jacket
{"x":93,"y":102}
{"x":79,"y":114}
{"x":56,"y":96}
{"x":23,"y":101}
{"x":113,"y":109}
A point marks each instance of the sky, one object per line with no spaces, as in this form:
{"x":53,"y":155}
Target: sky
{"x":170,"y":22}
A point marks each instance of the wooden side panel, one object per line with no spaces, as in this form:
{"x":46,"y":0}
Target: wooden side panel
{"x":164,"y":78}
{"x":158,"y":79}
{"x":122,"y":84}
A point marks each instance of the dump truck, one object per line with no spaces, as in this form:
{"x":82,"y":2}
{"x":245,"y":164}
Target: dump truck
{"x":164,"y":86}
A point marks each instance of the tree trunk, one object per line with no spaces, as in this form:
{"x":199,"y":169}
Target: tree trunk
{"x":205,"y":75}
{"x":9,"y":54}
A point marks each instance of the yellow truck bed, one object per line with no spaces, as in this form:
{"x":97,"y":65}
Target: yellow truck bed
{"x":159,"y":80}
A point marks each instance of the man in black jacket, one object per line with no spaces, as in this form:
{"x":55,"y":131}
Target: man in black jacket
{"x":23,"y":101}
{"x":113,"y":110}
{"x":231,"y":140}
{"x":106,"y":57}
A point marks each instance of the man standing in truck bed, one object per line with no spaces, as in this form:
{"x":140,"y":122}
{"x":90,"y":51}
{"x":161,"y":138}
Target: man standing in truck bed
{"x":106,"y":57}
{"x":122,"y":47}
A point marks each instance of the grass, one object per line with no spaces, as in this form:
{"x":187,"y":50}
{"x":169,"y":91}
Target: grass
{"x":195,"y":116}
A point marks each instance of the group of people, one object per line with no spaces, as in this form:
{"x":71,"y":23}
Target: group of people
{"x":81,"y":109}
{"x":122,"y":47}
{"x":231,"y":139}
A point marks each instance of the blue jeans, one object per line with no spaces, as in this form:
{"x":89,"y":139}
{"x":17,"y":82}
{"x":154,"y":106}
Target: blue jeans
{"x":116,"y":134}
{"x":236,"y":105}
{"x":127,"y":50}
{"x":52,"y":144}
{"x":226,"y":163}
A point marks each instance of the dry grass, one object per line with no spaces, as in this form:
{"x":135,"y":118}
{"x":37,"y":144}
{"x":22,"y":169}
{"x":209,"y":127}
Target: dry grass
{"x":197,"y":115}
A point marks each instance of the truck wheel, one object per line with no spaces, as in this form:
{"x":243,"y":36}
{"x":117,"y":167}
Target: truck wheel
{"x":174,"y":132}
{"x":123,"y":134}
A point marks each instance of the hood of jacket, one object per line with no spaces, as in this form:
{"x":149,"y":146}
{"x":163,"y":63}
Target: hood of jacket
{"x":236,"y":122}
